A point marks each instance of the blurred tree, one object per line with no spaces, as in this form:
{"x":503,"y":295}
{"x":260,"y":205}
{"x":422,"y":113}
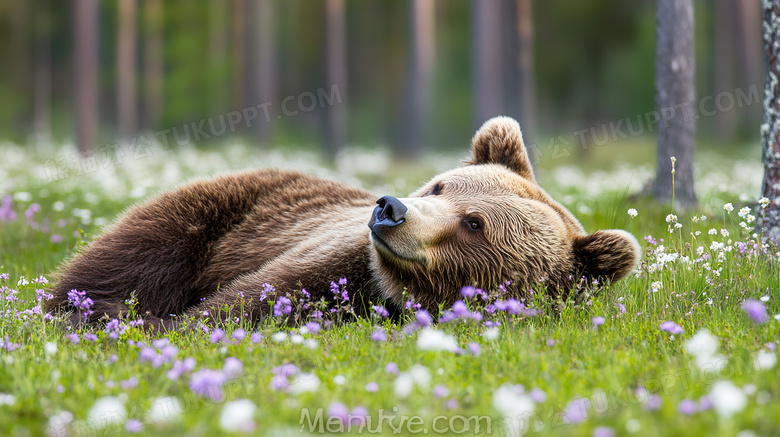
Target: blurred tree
{"x":218,"y":65}
{"x":126,"y":68}
{"x":265,"y":65}
{"x":486,"y":60}
{"x":749,"y":54}
{"x":769,"y":219}
{"x":86,"y":42}
{"x":725,"y":70}
{"x":420,"y":65}
{"x":239,"y":54}
{"x":153,"y":63}
{"x":525,"y":77}
{"x":675,"y":93}
{"x":43,"y":75}
{"x":336,"y":73}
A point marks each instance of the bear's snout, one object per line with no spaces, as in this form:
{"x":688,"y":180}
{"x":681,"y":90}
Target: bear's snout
{"x":389,"y":212}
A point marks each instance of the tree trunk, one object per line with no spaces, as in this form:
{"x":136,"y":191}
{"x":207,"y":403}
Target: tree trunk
{"x":674,"y":99}
{"x":421,"y":57}
{"x":725,"y":50}
{"x":769,"y":219}
{"x":525,"y":69}
{"x":126,"y":69}
{"x":486,"y":59}
{"x":153,"y":63}
{"x":86,"y":41}
{"x":335,"y":114}
{"x":265,"y":65}
{"x":42,"y":78}
{"x":239,"y":54}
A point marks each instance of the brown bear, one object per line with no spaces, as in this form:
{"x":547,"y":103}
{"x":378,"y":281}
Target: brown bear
{"x":218,"y":241}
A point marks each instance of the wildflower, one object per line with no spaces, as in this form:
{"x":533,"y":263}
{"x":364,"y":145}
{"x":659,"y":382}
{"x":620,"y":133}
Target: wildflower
{"x":312,"y":327}
{"x":165,"y":409}
{"x":475,"y":349}
{"x":279,"y":337}
{"x":687,"y":407}
{"x":764,"y":202}
{"x":73,"y":337}
{"x":537,"y":395}
{"x":576,"y":411}
{"x":511,"y":401}
{"x":372,"y":387}
{"x":671,"y":327}
{"x":339,"y":380}
{"x":727,"y":399}
{"x":134,"y":426}
{"x":671,"y":218}
{"x":728,"y":207}
{"x":656,"y":286}
{"x":391,"y":368}
{"x":307,"y":382}
{"x":129,"y":383}
{"x":50,"y":348}
{"x":632,"y":212}
{"x":239,"y":334}
{"x":650,"y":240}
{"x":765,"y":360}
{"x":744,"y":212}
{"x":256,"y":337}
{"x":468,"y":292}
{"x":89,"y":336}
{"x":233,"y":367}
{"x":238,"y":415}
{"x":550,"y":342}
{"x":208,"y":383}
{"x":216,"y":336}
{"x":107,"y":410}
{"x":712,"y":231}
{"x":755,"y":310}
{"x":597,"y":321}
{"x":338,"y":411}
{"x":491,"y":333}
{"x":603,"y":431}
{"x":380,"y":311}
{"x":379,"y":335}
{"x":433,"y":339}
{"x":282,"y":306}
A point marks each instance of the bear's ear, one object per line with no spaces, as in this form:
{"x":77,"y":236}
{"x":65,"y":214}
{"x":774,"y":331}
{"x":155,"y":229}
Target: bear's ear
{"x":500,"y":141}
{"x":606,"y":255}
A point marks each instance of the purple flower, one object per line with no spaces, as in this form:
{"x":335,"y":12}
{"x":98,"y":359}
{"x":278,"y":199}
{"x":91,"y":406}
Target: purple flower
{"x":74,"y":338}
{"x":705,"y":403}
{"x":256,"y":337}
{"x":379,"y":335}
{"x":280,"y":380}
{"x":652,"y":403}
{"x":372,"y":387}
{"x":468,"y":292}
{"x":597,"y":321}
{"x":687,"y":407}
{"x":216,"y":336}
{"x":129,"y":383}
{"x":755,"y":310}
{"x":451,"y":404}
{"x":147,"y":354}
{"x":537,"y":395}
{"x":338,"y":411}
{"x":208,"y":383}
{"x":671,"y":327}
{"x":239,"y":334}
{"x":423,"y":318}
{"x":89,"y":336}
{"x":7,"y":213}
{"x":651,"y":240}
{"x":621,"y":308}
{"x":551,"y":342}
{"x":381,"y":311}
{"x":233,"y":367}
{"x":603,"y":431}
{"x":391,"y":368}
{"x":267,"y":289}
{"x":576,"y":411}
{"x":358,"y":415}
{"x":313,"y":327}
{"x":475,"y":349}
{"x":4,"y":276}
{"x":282,"y":306}
{"x":134,"y":426}
{"x":441,"y":391}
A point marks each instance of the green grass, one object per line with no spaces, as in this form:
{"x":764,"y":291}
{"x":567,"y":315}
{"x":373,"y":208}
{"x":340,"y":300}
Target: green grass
{"x":561,"y":353}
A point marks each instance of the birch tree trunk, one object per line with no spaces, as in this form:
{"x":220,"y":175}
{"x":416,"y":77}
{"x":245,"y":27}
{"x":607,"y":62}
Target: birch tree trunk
{"x":769,"y":218}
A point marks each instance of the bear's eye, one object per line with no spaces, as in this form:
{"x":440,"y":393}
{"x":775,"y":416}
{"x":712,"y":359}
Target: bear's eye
{"x":435,"y":190}
{"x":473,"y":224}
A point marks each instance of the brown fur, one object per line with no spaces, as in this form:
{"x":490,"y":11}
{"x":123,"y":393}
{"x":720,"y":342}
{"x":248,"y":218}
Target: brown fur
{"x":210,"y":241}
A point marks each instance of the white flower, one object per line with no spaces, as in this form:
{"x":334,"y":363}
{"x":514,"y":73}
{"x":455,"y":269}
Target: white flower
{"x":765,"y":360}
{"x":238,"y":415}
{"x":57,"y":424}
{"x":7,"y":399}
{"x":434,"y":340}
{"x":713,"y":231}
{"x":296,"y":339}
{"x":404,"y":385}
{"x":671,"y":218}
{"x":511,"y":401}
{"x":728,"y":207}
{"x":743,"y":212}
{"x":165,"y":409}
{"x":279,"y":337}
{"x":764,"y":202}
{"x":339,"y":380}
{"x":677,"y":225}
{"x":491,"y":333}
{"x":632,"y":425}
{"x":716,"y":246}
{"x":107,"y":411}
{"x":420,"y":375}
{"x":22,"y":281}
{"x":310,"y":343}
{"x":750,"y":218}
{"x":727,"y":399}
{"x":724,"y":232}
{"x":703,"y":218}
{"x":655,"y":286}
{"x":632,"y":212}
{"x":306,"y":382}
{"x":50,"y":348}
{"x":702,"y":344}
{"x":764,"y":298}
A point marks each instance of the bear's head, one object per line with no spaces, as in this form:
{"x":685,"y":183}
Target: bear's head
{"x":486,"y":223}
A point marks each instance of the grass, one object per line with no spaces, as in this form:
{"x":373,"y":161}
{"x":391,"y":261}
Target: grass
{"x":55,"y":384}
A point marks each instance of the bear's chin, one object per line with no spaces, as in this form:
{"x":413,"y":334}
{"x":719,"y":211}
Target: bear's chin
{"x":388,"y":253}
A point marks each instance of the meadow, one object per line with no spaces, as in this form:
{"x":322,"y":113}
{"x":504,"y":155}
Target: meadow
{"x":685,"y":346}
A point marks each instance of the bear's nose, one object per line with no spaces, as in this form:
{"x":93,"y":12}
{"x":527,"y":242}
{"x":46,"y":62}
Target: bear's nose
{"x":389,"y":212}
